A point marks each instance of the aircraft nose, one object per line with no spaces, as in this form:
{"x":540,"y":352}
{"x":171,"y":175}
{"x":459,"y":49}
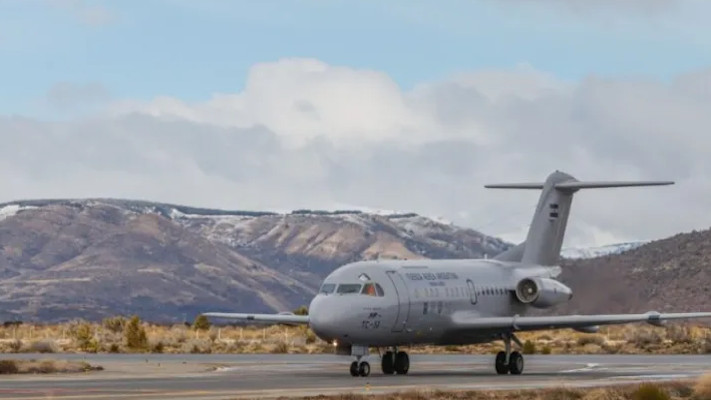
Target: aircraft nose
{"x":324,"y":318}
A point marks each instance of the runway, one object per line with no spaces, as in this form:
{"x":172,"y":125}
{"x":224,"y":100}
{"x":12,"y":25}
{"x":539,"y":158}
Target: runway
{"x":272,"y":376}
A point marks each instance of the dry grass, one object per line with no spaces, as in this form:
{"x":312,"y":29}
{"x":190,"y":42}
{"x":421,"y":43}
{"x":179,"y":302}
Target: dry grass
{"x":702,"y":389}
{"x":108,"y":337}
{"x":646,"y":391}
{"x":44,"y":367}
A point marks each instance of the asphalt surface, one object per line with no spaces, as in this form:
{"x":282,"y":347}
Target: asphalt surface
{"x":259,"y":376}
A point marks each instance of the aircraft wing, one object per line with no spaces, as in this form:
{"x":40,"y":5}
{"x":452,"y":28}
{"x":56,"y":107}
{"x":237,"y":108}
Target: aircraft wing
{"x":517,"y":323}
{"x":273,"y":318}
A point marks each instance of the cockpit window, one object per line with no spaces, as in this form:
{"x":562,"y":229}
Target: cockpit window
{"x":369,"y":290}
{"x":346,"y":288}
{"x":372,"y":289}
{"x":327,"y":288}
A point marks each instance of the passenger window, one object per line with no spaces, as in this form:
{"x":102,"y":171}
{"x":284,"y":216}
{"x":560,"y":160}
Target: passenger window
{"x":348,"y":288}
{"x":327,"y":288}
{"x":424,"y":308}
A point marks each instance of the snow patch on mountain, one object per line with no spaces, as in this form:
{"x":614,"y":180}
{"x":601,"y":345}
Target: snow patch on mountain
{"x":599,"y":251}
{"x":11,"y":210}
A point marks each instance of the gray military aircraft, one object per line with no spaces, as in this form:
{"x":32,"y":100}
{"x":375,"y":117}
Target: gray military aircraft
{"x":392,"y":304}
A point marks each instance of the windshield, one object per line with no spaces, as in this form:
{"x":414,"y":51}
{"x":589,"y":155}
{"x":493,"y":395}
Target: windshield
{"x":327,"y":288}
{"x":371,"y":289}
{"x":346,"y":288}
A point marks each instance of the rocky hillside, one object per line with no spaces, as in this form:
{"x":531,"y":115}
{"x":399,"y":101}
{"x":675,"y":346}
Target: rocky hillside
{"x":672,"y":274}
{"x":61,"y":259}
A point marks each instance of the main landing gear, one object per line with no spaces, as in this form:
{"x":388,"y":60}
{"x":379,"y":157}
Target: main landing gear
{"x":395,"y":362}
{"x":508,"y":361}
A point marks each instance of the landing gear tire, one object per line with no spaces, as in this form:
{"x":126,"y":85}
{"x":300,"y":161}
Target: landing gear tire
{"x":388,"y":363}
{"x":501,"y":367}
{"x":402,"y":363}
{"x":354,"y":368}
{"x":364,"y":369}
{"x":515,"y":363}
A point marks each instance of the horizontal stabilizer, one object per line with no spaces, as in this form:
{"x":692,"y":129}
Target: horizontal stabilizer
{"x":515,"y":186}
{"x":575,"y":185}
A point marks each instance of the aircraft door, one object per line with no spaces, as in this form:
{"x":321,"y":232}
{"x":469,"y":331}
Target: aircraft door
{"x":403,"y":297}
{"x":472,"y":291}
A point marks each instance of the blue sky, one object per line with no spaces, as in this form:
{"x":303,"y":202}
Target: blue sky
{"x":190,"y":50}
{"x":401,"y":105}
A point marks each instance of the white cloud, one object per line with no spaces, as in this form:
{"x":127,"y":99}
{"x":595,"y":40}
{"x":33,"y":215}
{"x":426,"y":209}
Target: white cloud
{"x":307,"y":134}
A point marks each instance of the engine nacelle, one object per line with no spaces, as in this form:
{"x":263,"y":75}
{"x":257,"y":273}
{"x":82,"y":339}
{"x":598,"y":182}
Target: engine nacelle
{"x":542,"y":292}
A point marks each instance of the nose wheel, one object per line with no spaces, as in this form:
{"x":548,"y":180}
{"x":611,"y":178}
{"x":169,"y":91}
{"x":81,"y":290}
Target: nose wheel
{"x":360,"y":368}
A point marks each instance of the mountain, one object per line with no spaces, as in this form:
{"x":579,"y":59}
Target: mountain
{"x":62,"y":259}
{"x":599,"y":251}
{"x":671,"y":274}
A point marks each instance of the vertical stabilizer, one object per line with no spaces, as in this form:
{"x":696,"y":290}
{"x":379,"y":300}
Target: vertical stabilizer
{"x":547,"y":230}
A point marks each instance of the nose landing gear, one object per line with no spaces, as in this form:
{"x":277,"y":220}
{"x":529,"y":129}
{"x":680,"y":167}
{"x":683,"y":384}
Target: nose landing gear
{"x":360,"y":368}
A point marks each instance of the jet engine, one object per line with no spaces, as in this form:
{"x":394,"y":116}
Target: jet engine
{"x":542,"y":292}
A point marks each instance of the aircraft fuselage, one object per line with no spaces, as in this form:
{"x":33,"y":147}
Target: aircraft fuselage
{"x":417,"y":300}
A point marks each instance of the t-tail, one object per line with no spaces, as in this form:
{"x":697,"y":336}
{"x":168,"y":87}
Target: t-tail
{"x":545,"y":235}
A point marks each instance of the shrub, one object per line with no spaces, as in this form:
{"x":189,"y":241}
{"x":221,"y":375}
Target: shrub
{"x":83,"y":334}
{"x":114,"y":324}
{"x":44,"y":367}
{"x":158,"y":347}
{"x":15,"y":346}
{"x":650,"y":391}
{"x":280,"y":348}
{"x":135,"y":335}
{"x":310,"y":337}
{"x":529,"y":347}
{"x":201,"y":323}
{"x":643,"y":338}
{"x":561,"y":394}
{"x":682,"y":389}
{"x":303,"y":310}
{"x":679,"y":334}
{"x":546,"y":350}
{"x":591,"y":339}
{"x":114,"y":348}
{"x":43,"y":347}
{"x":705,"y":343}
{"x":8,"y":367}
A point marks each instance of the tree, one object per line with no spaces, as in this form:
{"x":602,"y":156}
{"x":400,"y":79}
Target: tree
{"x":201,"y":323}
{"x":135,"y":334}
